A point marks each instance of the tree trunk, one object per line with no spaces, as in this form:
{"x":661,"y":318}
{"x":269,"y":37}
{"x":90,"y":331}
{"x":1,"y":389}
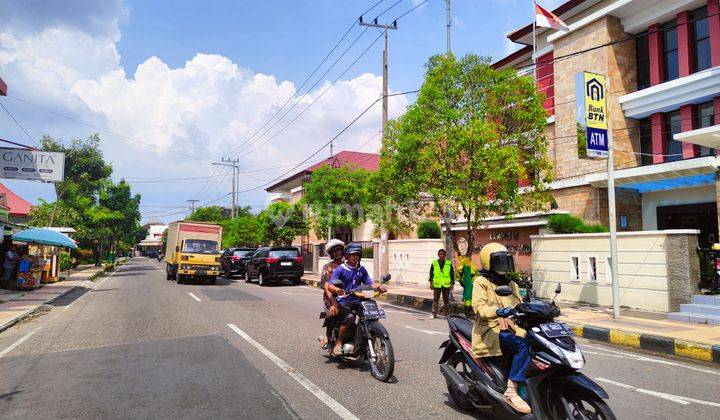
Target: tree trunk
{"x":450,"y":245}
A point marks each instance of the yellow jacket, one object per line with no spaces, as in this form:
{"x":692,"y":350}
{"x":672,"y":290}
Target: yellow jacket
{"x":486,"y":331}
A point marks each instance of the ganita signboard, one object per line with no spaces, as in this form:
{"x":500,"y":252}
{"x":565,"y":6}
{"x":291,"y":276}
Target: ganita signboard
{"x":33,"y":165}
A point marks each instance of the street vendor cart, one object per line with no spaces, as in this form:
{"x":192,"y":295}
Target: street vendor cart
{"x":41,"y":265}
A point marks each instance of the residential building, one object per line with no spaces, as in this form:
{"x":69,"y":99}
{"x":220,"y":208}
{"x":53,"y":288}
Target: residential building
{"x":18,"y":207}
{"x":662,"y":58}
{"x":153,"y":240}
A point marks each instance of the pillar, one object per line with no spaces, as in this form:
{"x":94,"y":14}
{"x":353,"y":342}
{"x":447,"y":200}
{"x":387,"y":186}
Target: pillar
{"x":687,"y":116}
{"x":713,"y":7}
{"x":655,"y":45}
{"x":658,"y":140}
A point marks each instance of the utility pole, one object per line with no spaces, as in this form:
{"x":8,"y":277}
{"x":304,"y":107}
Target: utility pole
{"x":383,"y":258}
{"x":611,"y":214}
{"x":233,"y":163}
{"x":192,"y":205}
{"x":449,"y":23}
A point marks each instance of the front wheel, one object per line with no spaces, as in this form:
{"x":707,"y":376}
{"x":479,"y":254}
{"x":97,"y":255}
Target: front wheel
{"x":574,"y":405}
{"x":383,"y":365}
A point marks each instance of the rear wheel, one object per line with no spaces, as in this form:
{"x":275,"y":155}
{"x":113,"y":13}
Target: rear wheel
{"x":295,"y":281}
{"x":261,"y":279}
{"x":168,"y":274}
{"x":247,"y":277}
{"x":382,"y":367}
{"x":457,"y":362}
{"x":574,"y":405}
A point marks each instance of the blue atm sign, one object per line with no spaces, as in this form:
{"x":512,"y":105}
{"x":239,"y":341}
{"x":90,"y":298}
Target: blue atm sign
{"x":597,"y":142}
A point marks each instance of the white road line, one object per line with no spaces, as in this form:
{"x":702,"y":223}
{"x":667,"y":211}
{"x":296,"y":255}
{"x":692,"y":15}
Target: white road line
{"x":642,"y":358}
{"x":426,"y":331}
{"x":670,"y":397}
{"x":304,"y":294}
{"x":404,"y":309}
{"x":17,"y":343}
{"x":335,"y":406}
{"x":194,"y":297}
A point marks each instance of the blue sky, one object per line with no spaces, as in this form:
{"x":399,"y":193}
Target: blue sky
{"x":161,"y":81}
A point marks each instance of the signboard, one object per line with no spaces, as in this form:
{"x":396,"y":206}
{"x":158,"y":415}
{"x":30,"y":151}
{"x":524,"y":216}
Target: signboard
{"x":33,"y":165}
{"x":595,"y":115}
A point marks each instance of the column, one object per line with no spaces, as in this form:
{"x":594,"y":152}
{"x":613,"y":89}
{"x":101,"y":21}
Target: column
{"x":687,"y":116}
{"x":714,"y":23}
{"x":655,"y":44}
{"x":685,"y":57}
{"x":658,"y":140}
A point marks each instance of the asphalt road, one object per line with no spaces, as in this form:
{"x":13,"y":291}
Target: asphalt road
{"x":139,"y":346}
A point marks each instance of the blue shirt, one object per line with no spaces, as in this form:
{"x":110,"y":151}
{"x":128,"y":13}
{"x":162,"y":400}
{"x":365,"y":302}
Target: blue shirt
{"x":351,"y":278}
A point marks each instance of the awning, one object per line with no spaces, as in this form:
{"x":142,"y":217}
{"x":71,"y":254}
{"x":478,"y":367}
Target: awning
{"x":662,"y":171}
{"x":708,"y":136}
{"x":44,"y":237}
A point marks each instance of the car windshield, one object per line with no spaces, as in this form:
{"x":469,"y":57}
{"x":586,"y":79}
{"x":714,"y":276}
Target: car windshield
{"x":200,"y":246}
{"x":279,"y":253}
{"x":242,"y":252}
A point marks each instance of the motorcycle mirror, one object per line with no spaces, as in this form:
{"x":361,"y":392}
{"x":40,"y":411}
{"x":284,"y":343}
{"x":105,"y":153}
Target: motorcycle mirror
{"x":386,"y":278}
{"x":503,"y":290}
{"x":558,"y":289}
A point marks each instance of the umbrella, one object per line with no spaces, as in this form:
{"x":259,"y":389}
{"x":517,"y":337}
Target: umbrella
{"x":45,"y":237}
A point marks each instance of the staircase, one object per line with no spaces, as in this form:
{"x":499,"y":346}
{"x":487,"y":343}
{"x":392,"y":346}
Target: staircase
{"x":704,"y":309}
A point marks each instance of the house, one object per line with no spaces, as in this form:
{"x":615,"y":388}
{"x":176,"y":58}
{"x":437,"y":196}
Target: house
{"x":153,"y":240}
{"x":18,"y":207}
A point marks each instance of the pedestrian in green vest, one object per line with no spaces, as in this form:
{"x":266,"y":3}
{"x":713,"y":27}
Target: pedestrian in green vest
{"x":442,"y":281}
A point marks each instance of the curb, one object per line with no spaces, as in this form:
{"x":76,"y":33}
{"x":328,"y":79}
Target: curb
{"x":30,"y":311}
{"x":654,"y":343}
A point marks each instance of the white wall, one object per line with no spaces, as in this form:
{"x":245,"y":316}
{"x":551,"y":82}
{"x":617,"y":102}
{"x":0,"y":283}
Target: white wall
{"x":410,"y":259}
{"x":364,"y":232}
{"x":652,"y":200}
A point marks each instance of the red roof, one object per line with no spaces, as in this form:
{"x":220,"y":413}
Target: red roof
{"x":18,"y":205}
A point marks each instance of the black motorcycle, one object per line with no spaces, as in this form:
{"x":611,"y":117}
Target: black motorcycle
{"x":555,"y":388}
{"x":367,"y":338}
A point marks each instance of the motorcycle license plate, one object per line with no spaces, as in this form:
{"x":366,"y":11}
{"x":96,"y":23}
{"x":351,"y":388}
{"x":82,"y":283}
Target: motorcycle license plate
{"x":556,"y":329}
{"x":371,"y":311}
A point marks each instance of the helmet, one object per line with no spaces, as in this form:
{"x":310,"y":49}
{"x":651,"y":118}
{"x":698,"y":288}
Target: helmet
{"x":353,"y":248}
{"x":716,"y":247}
{"x":495,"y":257}
{"x":333,"y":243}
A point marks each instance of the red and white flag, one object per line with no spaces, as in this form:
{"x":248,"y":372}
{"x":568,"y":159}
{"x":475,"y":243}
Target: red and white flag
{"x":546,"y":19}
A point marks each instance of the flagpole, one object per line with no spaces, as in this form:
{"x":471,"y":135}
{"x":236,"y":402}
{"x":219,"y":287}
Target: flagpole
{"x":534,"y":21}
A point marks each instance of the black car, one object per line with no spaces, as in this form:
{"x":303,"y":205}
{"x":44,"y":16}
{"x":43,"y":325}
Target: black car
{"x":271,"y":264}
{"x":232,"y":261}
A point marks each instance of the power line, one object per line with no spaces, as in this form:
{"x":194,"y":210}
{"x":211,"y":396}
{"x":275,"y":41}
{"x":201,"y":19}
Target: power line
{"x":18,"y":124}
{"x":410,"y":11}
{"x":17,"y":144}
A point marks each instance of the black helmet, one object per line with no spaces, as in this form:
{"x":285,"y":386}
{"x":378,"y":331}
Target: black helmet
{"x":353,"y":248}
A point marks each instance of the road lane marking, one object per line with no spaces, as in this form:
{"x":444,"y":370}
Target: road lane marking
{"x":194,"y":297}
{"x":335,"y":406}
{"x":670,"y":397}
{"x":426,"y":331}
{"x":642,"y":358}
{"x":404,"y":309}
{"x":304,"y":294}
{"x":17,"y":343}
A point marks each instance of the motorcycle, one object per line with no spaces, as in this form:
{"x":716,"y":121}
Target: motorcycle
{"x":555,"y":387}
{"x":367,"y":338}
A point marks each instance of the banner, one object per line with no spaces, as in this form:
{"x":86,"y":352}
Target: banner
{"x":33,"y":165}
{"x":595,"y":115}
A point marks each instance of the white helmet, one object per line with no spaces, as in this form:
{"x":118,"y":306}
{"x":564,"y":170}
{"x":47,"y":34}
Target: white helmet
{"x":332,"y":243}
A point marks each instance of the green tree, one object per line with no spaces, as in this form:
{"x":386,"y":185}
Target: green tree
{"x":336,"y":197}
{"x":241,"y":231}
{"x":468,"y":142}
{"x":216,"y":214}
{"x":281,"y":222}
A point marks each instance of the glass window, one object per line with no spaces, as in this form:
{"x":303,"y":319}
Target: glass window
{"x":642,"y":51}
{"x":705,"y":117}
{"x":700,"y":32}
{"x":670,"y":46}
{"x":646,"y":141}
{"x":200,"y":246}
{"x":243,"y":252}
{"x":279,"y":253}
{"x":673,"y":148}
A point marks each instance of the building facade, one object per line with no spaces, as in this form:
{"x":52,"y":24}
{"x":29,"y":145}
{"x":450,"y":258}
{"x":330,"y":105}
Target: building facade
{"x":662,"y":59}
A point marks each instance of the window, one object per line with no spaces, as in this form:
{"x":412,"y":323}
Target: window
{"x":243,"y":253}
{"x":200,"y":246}
{"x":592,"y":269}
{"x":608,"y":270}
{"x":670,"y":50}
{"x":646,"y":141}
{"x":705,"y":117}
{"x":284,"y":253}
{"x":673,"y":148}
{"x":642,"y":52}
{"x":700,"y":33}
{"x":574,"y":269}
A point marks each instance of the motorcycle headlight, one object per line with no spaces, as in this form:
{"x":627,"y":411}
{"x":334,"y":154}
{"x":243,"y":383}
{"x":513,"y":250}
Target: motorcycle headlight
{"x":575,"y":359}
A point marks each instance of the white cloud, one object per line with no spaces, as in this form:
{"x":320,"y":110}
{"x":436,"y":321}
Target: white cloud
{"x":204,"y":109}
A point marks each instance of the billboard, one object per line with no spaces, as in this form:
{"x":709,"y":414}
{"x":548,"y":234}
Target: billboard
{"x":592,"y":115}
{"x":32,"y":165}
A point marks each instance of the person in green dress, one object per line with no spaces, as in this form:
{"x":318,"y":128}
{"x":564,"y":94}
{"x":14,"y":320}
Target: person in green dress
{"x":467,"y":274}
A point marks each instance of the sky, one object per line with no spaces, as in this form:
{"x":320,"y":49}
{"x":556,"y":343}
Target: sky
{"x":172,"y":86}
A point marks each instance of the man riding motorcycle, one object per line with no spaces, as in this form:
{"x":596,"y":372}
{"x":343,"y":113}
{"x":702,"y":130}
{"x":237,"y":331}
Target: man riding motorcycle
{"x":334,"y":248}
{"x":493,"y":333}
{"x":352,"y":275}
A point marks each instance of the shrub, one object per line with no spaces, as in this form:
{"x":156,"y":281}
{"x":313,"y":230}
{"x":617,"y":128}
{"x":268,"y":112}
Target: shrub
{"x":565,"y":223}
{"x":429,"y":229}
{"x":367,"y":253}
{"x":65,"y":261}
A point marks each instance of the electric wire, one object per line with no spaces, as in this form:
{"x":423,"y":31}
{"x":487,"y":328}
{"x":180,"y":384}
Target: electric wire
{"x":18,"y":124}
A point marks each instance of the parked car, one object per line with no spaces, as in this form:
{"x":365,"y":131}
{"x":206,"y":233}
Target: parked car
{"x":232,"y":261}
{"x":272,"y":264}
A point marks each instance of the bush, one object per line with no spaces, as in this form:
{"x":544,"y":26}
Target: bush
{"x":429,"y":229}
{"x":367,"y":253}
{"x":65,"y":261}
{"x":565,"y":223}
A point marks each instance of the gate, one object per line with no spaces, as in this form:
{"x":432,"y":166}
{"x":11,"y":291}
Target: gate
{"x":307,"y":253}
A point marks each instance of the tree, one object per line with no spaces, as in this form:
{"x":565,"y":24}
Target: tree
{"x":336,"y":197}
{"x":281,"y":222}
{"x":241,"y":231}
{"x":216,"y":214}
{"x":468,"y":142}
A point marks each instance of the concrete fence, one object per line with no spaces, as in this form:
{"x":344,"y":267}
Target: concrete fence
{"x":657,"y":270}
{"x":410,"y":259}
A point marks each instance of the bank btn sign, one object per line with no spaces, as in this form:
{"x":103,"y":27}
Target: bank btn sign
{"x":596,"y":115}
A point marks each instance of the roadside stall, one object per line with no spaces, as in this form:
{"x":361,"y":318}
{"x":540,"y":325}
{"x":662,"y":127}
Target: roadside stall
{"x":40,"y":264}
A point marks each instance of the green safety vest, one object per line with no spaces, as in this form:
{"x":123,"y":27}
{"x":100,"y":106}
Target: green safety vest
{"x":441,"y":278}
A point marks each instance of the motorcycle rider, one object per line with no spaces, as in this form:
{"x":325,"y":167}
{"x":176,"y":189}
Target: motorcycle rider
{"x":493,"y":333}
{"x":352,"y":275}
{"x":334,"y":248}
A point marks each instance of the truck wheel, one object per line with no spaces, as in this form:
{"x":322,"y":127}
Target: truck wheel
{"x":180,"y":279}
{"x":212,"y":280}
{"x":168,"y":274}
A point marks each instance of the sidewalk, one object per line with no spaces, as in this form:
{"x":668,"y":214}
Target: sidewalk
{"x":694,"y":341}
{"x":16,"y":305}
